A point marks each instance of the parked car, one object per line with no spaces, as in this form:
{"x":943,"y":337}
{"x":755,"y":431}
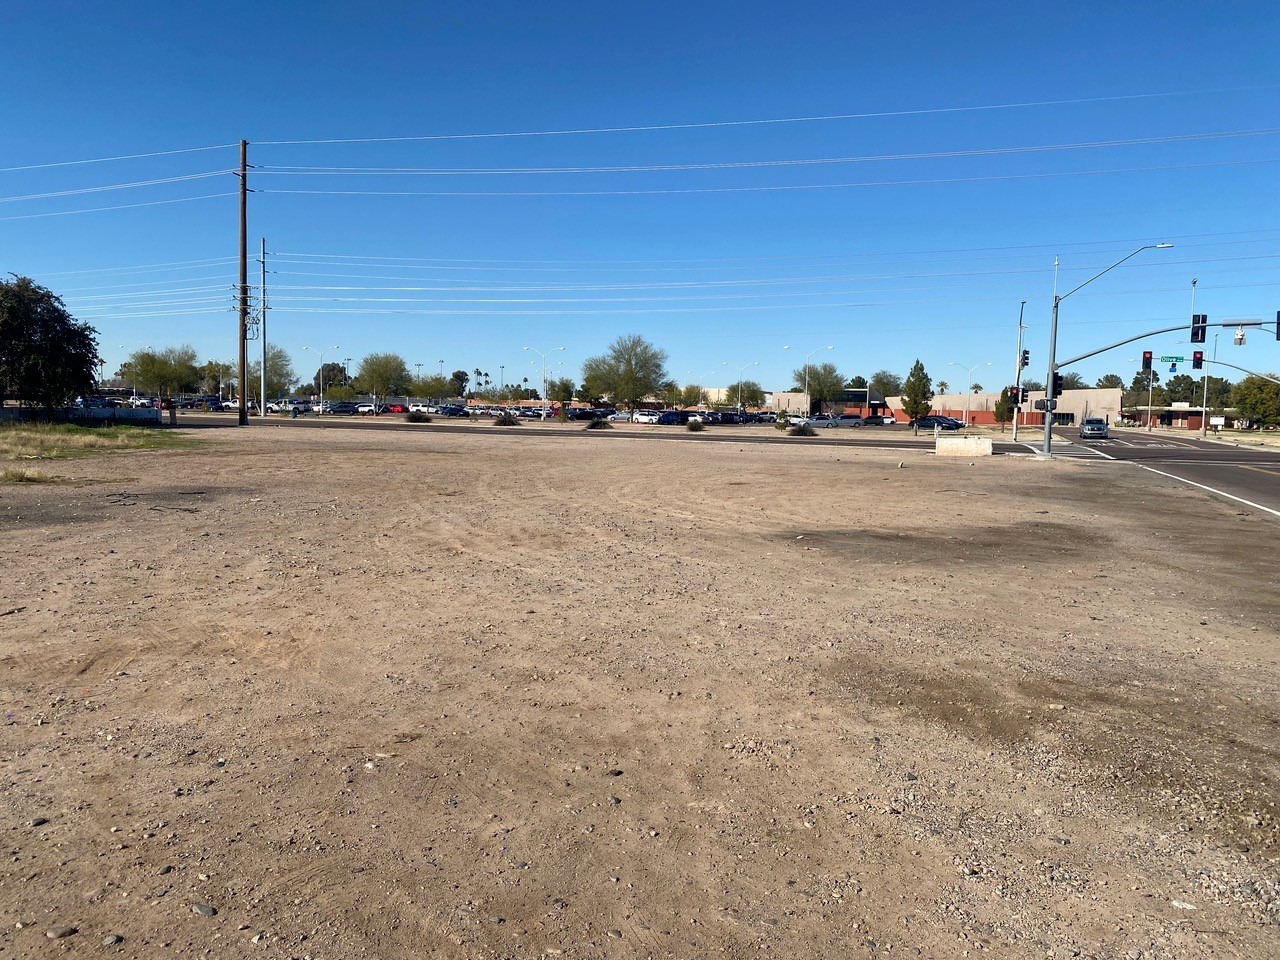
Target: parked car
{"x":375,"y":408}
{"x":669,"y":417}
{"x":1093,"y":428}
{"x":820,"y":420}
{"x":454,"y":410}
{"x":341,"y":407}
{"x":935,"y":421}
{"x":848,"y":420}
{"x":397,"y":408}
{"x":644,"y":416}
{"x":417,"y":407}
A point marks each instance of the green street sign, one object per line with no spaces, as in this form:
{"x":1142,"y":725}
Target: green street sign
{"x":1173,"y":359}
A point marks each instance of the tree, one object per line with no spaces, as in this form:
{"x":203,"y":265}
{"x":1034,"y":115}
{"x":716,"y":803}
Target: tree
{"x":460,"y":380}
{"x":1073,"y":381}
{"x":213,"y":375}
{"x":329,"y":374}
{"x":744,"y":393}
{"x":47,"y":357}
{"x":172,"y":369}
{"x":1033,"y":384}
{"x":943,"y":386}
{"x":857,"y":383}
{"x":1110,"y":381}
{"x":1219,"y":393}
{"x":917,"y":392}
{"x":1258,"y":400}
{"x":560,"y":390}
{"x":632,"y":370}
{"x":824,"y":381}
{"x":382,"y":374}
{"x":280,"y":375}
{"x":434,"y":386}
{"x":670,"y":394}
{"x":1182,"y":389}
{"x":1004,"y":409}
{"x":693,"y":396}
{"x":886,"y":384}
{"x":976,"y":387}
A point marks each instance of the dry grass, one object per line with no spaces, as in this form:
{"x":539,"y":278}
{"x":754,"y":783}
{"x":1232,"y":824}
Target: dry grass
{"x":60,"y":441}
{"x":24,"y":475}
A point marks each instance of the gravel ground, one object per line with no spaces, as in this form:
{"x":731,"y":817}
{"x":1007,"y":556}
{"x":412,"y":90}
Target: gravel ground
{"x":353,"y":693}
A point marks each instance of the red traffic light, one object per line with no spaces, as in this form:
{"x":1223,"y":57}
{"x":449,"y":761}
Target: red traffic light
{"x":1197,"y":360}
{"x":1146,"y":359}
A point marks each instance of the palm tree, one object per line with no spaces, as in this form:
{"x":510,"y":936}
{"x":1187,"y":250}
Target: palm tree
{"x":977,"y":388}
{"x":942,"y":386}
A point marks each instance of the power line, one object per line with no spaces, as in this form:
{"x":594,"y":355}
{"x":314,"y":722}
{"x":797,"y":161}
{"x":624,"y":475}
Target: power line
{"x":129,"y":156}
{"x":1250,"y":236}
{"x":702,"y":125}
{"x":114,"y":186}
{"x":301,"y":171}
{"x":765,"y":189}
{"x":122,"y":206}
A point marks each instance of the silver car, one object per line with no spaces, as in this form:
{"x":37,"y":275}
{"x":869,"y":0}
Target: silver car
{"x":1093,"y":428}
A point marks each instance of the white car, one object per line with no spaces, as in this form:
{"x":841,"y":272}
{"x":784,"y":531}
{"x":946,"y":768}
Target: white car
{"x":419,"y":407}
{"x":644,"y":416}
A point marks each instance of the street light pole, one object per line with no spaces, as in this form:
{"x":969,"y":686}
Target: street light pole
{"x":1047,"y":450}
{"x":968,"y":390}
{"x":320,"y":376}
{"x":754,"y":363}
{"x":543,"y":357}
{"x":808,"y":404}
{"x":1204,"y":400}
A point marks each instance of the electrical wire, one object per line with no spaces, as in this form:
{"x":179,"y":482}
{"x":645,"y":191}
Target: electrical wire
{"x":128,"y":156}
{"x":115,"y":186}
{"x":118,"y":206}
{"x":703,"y":125}
{"x":301,"y":171}
{"x":770,"y":188}
{"x":1250,"y":236}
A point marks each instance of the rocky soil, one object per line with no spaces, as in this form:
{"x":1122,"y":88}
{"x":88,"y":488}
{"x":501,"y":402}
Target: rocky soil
{"x":357,"y":692}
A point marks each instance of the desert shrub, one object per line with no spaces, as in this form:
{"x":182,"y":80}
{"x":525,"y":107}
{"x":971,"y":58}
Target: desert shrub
{"x":23,"y":475}
{"x":599,"y":425}
{"x":416,"y":416}
{"x":506,"y":420}
{"x":695,"y":426}
{"x":804,"y":430}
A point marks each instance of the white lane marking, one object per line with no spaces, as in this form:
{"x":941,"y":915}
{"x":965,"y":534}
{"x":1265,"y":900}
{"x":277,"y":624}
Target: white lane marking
{"x":1125,"y":442}
{"x":1221,"y":493}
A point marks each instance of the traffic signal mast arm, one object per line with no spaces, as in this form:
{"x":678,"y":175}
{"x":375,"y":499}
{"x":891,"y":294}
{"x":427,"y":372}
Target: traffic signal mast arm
{"x":1251,"y":373}
{"x":1151,"y":333}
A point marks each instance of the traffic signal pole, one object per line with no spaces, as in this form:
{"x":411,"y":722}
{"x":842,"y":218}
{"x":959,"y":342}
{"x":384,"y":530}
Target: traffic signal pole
{"x":1017,"y":372}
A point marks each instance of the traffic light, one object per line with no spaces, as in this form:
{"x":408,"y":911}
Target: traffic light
{"x":1013,"y":395}
{"x":1197,"y":360}
{"x":1146,"y":360}
{"x":1057,"y":386}
{"x":1199,"y":326}
{"x":1026,"y":354}
{"x":1022,"y":395}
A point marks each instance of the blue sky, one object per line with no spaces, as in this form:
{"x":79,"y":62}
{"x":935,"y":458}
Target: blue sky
{"x":975,"y":144}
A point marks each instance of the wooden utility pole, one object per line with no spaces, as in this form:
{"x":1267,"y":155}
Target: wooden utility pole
{"x":244,"y":279}
{"x":262,"y":329}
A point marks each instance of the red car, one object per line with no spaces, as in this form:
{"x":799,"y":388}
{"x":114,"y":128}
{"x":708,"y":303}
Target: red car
{"x":397,"y":408}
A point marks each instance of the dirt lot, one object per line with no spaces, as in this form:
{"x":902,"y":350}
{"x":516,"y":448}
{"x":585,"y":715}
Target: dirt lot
{"x":375,"y":694}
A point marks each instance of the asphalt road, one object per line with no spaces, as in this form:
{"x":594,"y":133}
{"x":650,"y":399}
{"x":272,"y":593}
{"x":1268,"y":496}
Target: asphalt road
{"x":1245,"y":475}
